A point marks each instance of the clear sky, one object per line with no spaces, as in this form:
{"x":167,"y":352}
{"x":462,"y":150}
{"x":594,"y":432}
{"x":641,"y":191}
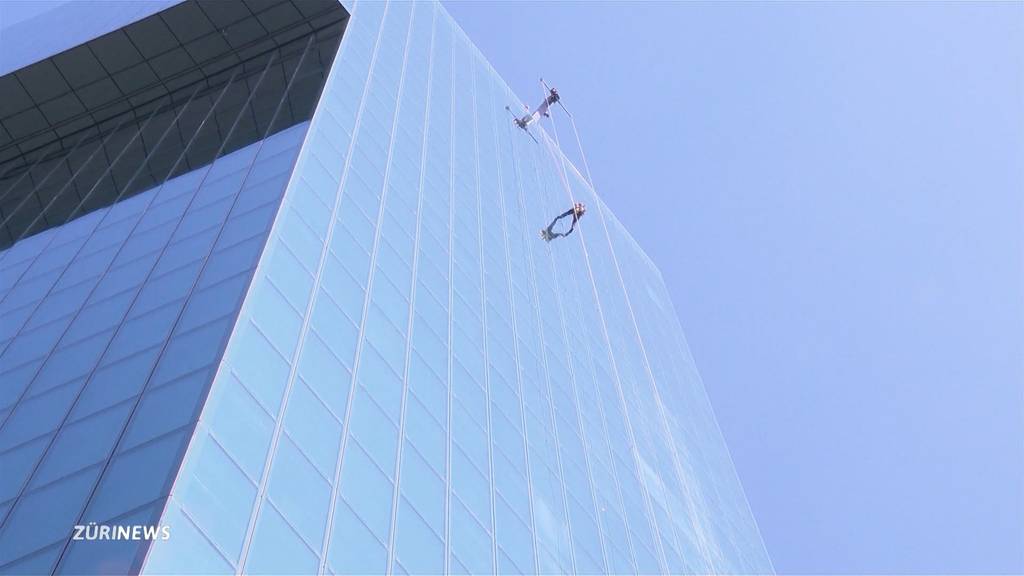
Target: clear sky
{"x":15,"y":11}
{"x":834,"y":193}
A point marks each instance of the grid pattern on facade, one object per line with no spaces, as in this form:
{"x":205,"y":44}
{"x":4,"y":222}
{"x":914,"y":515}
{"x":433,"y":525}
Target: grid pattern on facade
{"x":113,"y":362}
{"x":112,"y":327}
{"x":66,"y":119}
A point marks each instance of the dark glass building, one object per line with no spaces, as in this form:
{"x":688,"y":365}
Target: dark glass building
{"x":273,"y":300}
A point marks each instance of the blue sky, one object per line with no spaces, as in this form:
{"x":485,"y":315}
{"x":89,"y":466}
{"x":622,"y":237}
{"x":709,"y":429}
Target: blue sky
{"x":835,"y":195}
{"x":15,"y":11}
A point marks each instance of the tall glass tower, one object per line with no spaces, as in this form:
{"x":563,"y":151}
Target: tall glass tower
{"x":273,"y":300}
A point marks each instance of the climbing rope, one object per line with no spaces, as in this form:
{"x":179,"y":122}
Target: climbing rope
{"x":558,"y":148}
{"x":705,"y":547}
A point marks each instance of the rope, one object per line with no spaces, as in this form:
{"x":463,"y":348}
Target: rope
{"x":555,"y":153}
{"x":702,"y":543}
{"x":579,"y":144}
{"x":634,"y":449}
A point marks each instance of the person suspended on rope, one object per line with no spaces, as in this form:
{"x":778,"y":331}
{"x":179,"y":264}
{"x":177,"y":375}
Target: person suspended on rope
{"x":577,"y":211}
{"x":552,"y":98}
{"x":541,"y":110}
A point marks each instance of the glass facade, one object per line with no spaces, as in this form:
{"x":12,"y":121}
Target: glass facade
{"x":343,"y":348}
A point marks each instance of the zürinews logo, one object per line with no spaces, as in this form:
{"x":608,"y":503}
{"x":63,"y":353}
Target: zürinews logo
{"x":94,"y":531}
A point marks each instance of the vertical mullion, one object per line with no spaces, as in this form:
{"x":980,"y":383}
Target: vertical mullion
{"x":547,"y":375}
{"x":451,"y":297}
{"x":474,"y":61}
{"x":199,"y":275}
{"x":515,"y":340}
{"x":625,"y":406}
{"x":575,"y":395}
{"x":354,"y":383}
{"x":396,"y":496}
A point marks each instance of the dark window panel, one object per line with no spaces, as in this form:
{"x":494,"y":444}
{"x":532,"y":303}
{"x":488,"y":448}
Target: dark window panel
{"x":62,"y":108}
{"x":79,"y":66}
{"x":42,"y":81}
{"x":116,"y":51}
{"x":75,"y":128}
{"x":99,"y":93}
{"x":244,"y":33}
{"x":279,"y":16}
{"x":24,"y":123}
{"x":172,"y":62}
{"x":135,"y":78}
{"x":14,"y":96}
{"x":151,"y":36}
{"x":188,"y":22}
{"x":224,"y":14}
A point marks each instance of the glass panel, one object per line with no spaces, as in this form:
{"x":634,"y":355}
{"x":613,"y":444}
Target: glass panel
{"x":203,"y":557}
{"x":219,"y":497}
{"x":83,"y":443}
{"x":49,"y":511}
{"x":113,"y":556}
{"x":166,"y":408}
{"x":299,"y":492}
{"x":137,"y":477}
{"x":277,"y":549}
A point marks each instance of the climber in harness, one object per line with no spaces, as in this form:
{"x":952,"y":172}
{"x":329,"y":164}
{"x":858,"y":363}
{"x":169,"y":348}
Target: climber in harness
{"x":541,"y":110}
{"x":577,"y":211}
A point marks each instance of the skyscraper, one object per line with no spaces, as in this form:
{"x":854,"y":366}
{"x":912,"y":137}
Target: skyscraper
{"x":273,"y":300}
